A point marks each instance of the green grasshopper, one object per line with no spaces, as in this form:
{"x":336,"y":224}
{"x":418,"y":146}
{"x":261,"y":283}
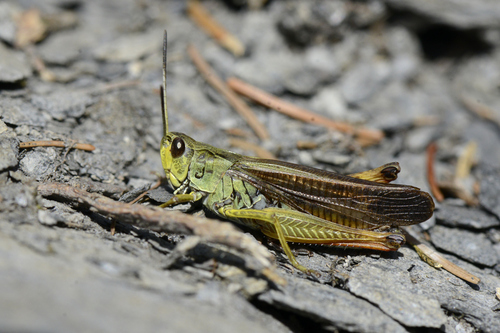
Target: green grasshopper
{"x":289,"y":202}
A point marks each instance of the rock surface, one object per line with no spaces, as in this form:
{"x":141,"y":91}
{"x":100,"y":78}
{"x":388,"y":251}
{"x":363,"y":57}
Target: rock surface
{"x":364,"y":62}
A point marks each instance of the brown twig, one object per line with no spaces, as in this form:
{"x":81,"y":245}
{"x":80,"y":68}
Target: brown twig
{"x":247,"y":145}
{"x":257,"y":258}
{"x":201,"y":17}
{"x":236,"y":102}
{"x":112,"y":228}
{"x":366,"y":135}
{"x":52,"y":143}
{"x":306,"y":145}
{"x":431,"y":177}
{"x":433,"y":258}
{"x":239,"y":132}
{"x":479,"y":109}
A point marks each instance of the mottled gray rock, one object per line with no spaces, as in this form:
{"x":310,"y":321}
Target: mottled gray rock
{"x":64,"y":47}
{"x":366,"y":13}
{"x":473,"y":247}
{"x":9,"y":147}
{"x":333,"y":308}
{"x":48,"y":218}
{"x":14,"y":65}
{"x":129,"y":48}
{"x":8,"y":12}
{"x":459,"y":13}
{"x":330,"y":103}
{"x":331,"y":157}
{"x":489,"y":197}
{"x":16,"y":111}
{"x":92,"y":288}
{"x":393,"y":297}
{"x":305,"y":23}
{"x":323,"y":61}
{"x":39,"y":164}
{"x":364,"y":80}
{"x":487,"y":139}
{"x":270,"y":71}
{"x":410,"y":104}
{"x":418,"y":139}
{"x":301,"y":82}
{"x":465,"y":217}
{"x":43,"y":252}
{"x":63,"y":103}
{"x":18,"y":204}
{"x":454,"y":325}
{"x":404,"y":50}
{"x":160,"y":194}
{"x":425,"y":283}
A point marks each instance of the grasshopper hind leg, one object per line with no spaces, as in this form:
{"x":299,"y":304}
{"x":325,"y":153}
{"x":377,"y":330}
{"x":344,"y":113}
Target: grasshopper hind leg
{"x":293,"y":226}
{"x":268,"y":220}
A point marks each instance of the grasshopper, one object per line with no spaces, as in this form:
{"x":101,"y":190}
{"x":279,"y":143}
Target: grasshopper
{"x":290,"y":202}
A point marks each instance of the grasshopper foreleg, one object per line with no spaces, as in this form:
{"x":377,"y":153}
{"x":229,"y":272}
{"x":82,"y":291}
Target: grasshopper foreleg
{"x":182,"y":198}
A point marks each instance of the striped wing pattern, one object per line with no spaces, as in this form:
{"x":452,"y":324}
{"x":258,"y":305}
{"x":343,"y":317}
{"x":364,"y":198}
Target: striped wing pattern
{"x":345,"y":200}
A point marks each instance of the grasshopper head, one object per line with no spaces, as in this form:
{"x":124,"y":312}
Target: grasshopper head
{"x":176,"y":153}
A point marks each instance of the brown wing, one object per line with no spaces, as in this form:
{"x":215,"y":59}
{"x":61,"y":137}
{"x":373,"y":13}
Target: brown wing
{"x":341,"y":199}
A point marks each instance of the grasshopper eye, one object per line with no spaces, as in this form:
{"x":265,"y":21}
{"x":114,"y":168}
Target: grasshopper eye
{"x":178,"y":147}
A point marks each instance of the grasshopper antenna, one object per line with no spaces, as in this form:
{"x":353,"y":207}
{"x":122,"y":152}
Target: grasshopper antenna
{"x":163,"y":88}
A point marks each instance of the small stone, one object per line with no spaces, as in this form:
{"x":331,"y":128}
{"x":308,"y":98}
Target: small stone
{"x":473,"y":247}
{"x":9,"y":150}
{"x":488,"y":142}
{"x":129,"y":48}
{"x":14,"y":65}
{"x":273,"y":67}
{"x":329,"y":102}
{"x":332,"y":307}
{"x":388,"y":288}
{"x":306,"y":22}
{"x":418,"y":139}
{"x":46,"y":218}
{"x":64,"y":47}
{"x":8,"y":12}
{"x":364,"y":80}
{"x":489,"y":197}
{"x":465,"y":217}
{"x":39,"y":164}
{"x":332,"y":158}
{"x":15,"y":111}
{"x":301,"y":82}
{"x":322,"y":61}
{"x":63,"y":103}
{"x":305,"y":158}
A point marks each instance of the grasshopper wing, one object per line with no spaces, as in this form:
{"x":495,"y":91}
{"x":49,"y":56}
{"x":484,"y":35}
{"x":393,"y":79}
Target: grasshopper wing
{"x":345,"y":200}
